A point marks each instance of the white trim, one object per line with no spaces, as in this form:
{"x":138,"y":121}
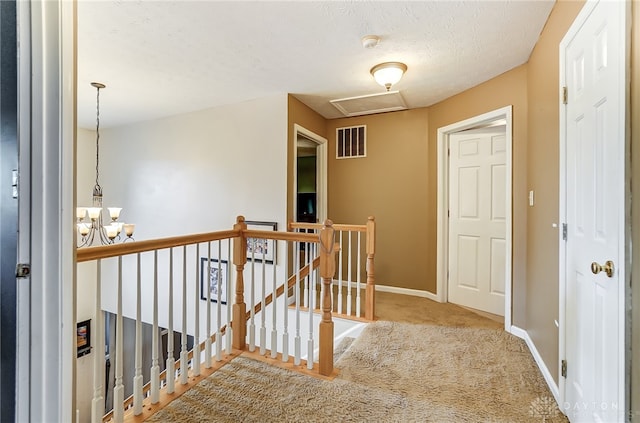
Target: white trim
{"x":443,"y":203}
{"x":624,"y":194}
{"x":407,"y":291}
{"x":523,"y":334}
{"x":321,"y":169}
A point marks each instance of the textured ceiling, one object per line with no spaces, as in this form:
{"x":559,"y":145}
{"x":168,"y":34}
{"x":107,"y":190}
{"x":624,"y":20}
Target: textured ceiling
{"x":161,"y":58}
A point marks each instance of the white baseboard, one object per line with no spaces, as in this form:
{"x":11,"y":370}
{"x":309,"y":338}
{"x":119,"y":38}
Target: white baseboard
{"x":523,"y":334}
{"x":407,"y":291}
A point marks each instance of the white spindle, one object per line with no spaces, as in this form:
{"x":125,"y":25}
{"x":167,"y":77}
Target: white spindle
{"x":305,"y":295}
{"x":230,"y":299}
{"x":171,"y":361}
{"x":274,"y":309}
{"x":263,"y":312}
{"x":118,"y":390}
{"x":137,"y":379}
{"x":219,"y":283}
{"x":296,"y":340}
{"x":310,"y":311}
{"x":206,"y":284}
{"x":184,"y":377}
{"x":340,"y":276}
{"x":349,"y":278}
{"x":285,"y":306}
{"x":195,"y":361}
{"x":252,"y":325}
{"x":155,"y":367}
{"x":313,"y":301}
{"x":358,"y":279}
{"x":97,"y":404}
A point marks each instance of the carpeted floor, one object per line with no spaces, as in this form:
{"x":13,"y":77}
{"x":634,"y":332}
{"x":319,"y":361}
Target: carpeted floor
{"x":394,"y":372}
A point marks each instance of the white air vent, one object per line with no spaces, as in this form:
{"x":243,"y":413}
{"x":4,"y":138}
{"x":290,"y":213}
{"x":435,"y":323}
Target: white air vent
{"x":369,"y":104}
{"x":351,"y":142}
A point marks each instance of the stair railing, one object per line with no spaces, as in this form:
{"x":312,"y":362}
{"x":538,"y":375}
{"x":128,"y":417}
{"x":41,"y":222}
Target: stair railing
{"x":154,"y":268}
{"x":356,"y":262}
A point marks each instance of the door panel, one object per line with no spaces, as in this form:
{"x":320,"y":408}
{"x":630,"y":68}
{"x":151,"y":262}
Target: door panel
{"x":595,"y":143}
{"x":477,"y":217}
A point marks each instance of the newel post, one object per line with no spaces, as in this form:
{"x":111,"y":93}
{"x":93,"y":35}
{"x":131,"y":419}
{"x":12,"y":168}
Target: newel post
{"x":239,"y":321}
{"x":327,"y":271}
{"x":370,"y":293}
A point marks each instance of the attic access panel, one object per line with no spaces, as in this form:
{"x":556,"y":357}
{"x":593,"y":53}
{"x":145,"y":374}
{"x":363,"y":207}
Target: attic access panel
{"x":369,"y":104}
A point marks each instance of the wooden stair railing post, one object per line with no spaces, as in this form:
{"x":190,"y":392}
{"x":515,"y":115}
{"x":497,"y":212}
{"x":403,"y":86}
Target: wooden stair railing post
{"x":239,"y":322}
{"x":327,"y":271}
{"x":370,"y":294}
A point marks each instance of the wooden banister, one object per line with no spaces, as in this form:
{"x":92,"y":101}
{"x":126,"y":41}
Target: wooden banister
{"x":370,"y":293}
{"x":327,"y":271}
{"x":336,"y":226}
{"x":239,"y":322}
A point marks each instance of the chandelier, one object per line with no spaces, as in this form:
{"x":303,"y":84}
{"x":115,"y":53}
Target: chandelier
{"x":93,"y":229}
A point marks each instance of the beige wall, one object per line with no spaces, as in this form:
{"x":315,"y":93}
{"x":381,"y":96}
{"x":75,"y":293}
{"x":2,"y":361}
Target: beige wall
{"x":507,"y":89}
{"x":543,"y":178}
{"x":392,"y":185}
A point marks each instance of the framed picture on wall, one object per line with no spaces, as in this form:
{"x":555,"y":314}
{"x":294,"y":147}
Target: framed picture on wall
{"x":83,"y":337}
{"x":216,"y":282}
{"x":259,"y":249}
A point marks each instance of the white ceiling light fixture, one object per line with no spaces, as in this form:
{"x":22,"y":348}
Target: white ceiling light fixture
{"x":388,"y":73}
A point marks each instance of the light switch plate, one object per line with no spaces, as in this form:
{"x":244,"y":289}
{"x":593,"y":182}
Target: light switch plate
{"x":531,"y":198}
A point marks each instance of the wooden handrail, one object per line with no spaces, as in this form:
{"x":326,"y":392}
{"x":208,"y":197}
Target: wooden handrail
{"x":318,"y":226}
{"x":125,"y":248}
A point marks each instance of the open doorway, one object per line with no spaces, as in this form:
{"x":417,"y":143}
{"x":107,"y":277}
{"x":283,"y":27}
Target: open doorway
{"x":310,"y":176}
{"x":501,"y":197}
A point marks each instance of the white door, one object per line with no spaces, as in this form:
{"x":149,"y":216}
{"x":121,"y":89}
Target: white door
{"x":594,"y":75}
{"x":477,"y":216}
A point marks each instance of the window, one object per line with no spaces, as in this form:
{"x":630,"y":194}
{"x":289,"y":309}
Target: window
{"x":351,"y":142}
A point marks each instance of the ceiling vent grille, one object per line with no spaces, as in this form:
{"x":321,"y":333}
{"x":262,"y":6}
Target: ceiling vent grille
{"x":351,"y":142}
{"x":368,"y":104}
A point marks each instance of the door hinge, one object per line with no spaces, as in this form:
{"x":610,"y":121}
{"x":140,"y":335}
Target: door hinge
{"x":14,"y":183}
{"x":23,"y":270}
{"x":449,"y":152}
{"x":564,"y":368}
{"x":564,"y":231}
{"x":448,"y":213}
{"x":565,"y":95}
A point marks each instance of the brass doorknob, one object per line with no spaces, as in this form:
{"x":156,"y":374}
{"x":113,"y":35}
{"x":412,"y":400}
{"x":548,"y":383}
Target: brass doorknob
{"x":606,"y":268}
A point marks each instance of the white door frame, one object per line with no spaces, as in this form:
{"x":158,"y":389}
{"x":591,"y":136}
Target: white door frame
{"x":321,"y":169}
{"x":624,"y":217}
{"x":443,"y":202}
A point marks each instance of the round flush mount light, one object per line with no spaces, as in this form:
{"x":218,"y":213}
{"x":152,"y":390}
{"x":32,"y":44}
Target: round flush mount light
{"x":388,"y":73}
{"x":370,"y":41}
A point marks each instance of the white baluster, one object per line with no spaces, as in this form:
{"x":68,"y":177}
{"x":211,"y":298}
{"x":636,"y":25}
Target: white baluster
{"x":97,"y":404}
{"x":219,"y":283}
{"x":263,"y":312}
{"x":137,"y":379}
{"x":285,"y":305}
{"x":349,"y":278}
{"x":358,"y":279}
{"x":296,"y":340}
{"x":155,"y":367}
{"x":274,"y":309}
{"x":305,"y":296}
{"x":310,"y":311}
{"x":230,"y":296}
{"x":206,"y":285}
{"x":195,"y":362}
{"x":171,"y":361}
{"x":184,"y":355}
{"x":252,"y":312}
{"x":340,"y":276}
{"x":118,"y":390}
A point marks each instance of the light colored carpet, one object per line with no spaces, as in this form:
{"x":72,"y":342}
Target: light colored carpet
{"x":394,"y":372}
